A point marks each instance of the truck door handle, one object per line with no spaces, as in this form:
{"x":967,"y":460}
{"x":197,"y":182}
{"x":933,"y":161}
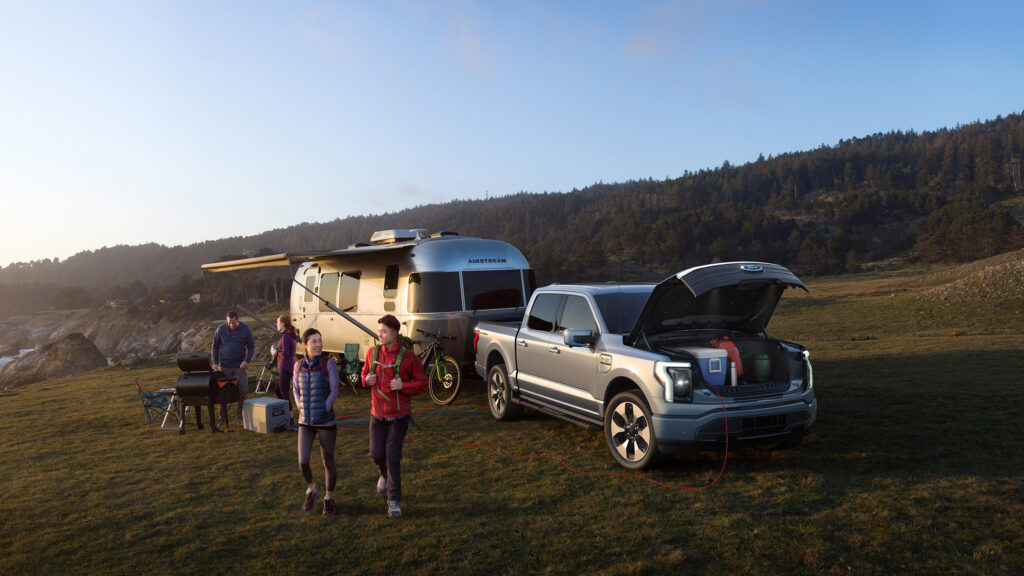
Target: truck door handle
{"x":554,"y":350}
{"x":522,"y":343}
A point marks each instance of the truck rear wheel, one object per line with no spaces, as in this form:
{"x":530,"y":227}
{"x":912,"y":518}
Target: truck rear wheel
{"x":499,"y":394}
{"x":628,"y":431}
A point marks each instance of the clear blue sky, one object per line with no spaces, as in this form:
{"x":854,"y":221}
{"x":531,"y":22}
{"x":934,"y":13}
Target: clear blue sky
{"x":176,"y":121}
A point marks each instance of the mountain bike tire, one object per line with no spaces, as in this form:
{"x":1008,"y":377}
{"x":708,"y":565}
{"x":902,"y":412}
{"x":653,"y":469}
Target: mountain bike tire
{"x":444,"y":387}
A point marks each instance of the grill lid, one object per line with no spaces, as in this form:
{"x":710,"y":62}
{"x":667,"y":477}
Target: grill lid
{"x":194,"y":362}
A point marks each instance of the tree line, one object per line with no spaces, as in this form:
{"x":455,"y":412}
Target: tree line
{"x":950,"y":195}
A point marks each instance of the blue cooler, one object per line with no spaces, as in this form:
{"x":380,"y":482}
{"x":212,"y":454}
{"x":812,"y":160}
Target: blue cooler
{"x":714,"y":364}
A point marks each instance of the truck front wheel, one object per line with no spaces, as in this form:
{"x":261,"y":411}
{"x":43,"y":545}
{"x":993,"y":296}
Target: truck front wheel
{"x":628,"y":431}
{"x":499,"y":394}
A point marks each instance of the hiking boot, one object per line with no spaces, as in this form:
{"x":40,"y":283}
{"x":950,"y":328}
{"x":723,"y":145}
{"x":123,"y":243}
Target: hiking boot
{"x":393,"y":509}
{"x":311,"y":495}
{"x":382,"y":485}
{"x":328,"y":506}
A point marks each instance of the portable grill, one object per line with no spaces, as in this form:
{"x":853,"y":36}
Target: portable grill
{"x":199,"y":384}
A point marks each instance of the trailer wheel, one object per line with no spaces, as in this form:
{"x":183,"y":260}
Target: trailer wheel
{"x":499,"y":394}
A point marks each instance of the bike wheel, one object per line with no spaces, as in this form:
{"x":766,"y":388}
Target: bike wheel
{"x":444,"y":380}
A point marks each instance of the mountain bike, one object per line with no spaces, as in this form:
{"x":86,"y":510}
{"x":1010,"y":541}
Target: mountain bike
{"x":443,"y":373}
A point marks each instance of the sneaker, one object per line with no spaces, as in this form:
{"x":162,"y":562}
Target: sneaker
{"x":328,"y":506}
{"x":382,"y":485}
{"x":311,"y":495}
{"x":393,"y":509}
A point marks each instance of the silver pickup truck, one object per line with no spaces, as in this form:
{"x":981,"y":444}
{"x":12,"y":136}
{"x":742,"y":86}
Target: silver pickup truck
{"x":654,"y":365}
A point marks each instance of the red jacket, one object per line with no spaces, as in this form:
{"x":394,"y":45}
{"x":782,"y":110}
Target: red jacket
{"x":387,"y":403}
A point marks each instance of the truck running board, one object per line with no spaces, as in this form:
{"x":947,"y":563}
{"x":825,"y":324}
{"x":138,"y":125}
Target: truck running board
{"x":551,"y":410}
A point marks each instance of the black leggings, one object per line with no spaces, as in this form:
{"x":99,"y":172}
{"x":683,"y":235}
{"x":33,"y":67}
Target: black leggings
{"x":327,"y":437}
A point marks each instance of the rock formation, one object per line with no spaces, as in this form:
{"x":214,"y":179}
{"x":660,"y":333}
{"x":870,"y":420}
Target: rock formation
{"x":69,"y":355}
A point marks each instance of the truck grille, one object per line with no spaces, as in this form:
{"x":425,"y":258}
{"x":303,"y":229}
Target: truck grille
{"x":750,"y":428}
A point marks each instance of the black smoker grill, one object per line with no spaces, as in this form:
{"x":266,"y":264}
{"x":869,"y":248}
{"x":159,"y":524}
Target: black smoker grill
{"x":199,"y":384}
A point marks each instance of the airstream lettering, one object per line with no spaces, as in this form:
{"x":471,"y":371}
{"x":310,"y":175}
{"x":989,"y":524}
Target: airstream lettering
{"x":442,"y":283}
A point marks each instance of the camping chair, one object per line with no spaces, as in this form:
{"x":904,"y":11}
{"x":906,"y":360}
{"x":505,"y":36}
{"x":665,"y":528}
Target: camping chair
{"x":156,"y":404}
{"x":269,"y":371}
{"x":353,"y":367}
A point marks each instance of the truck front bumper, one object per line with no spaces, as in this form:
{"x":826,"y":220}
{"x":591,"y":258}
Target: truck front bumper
{"x":679,"y":432}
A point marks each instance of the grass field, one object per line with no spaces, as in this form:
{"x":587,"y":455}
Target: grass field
{"x":915,"y":466}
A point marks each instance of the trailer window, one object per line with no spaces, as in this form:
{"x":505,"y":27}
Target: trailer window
{"x":530,"y":281}
{"x":391,"y":282}
{"x":486,"y":290}
{"x":349,"y":301}
{"x":310,"y":285}
{"x":434,"y":292}
{"x":328,"y":290}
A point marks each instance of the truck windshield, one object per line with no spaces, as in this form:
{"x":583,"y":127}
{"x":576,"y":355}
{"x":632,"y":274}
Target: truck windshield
{"x":621,"y":309}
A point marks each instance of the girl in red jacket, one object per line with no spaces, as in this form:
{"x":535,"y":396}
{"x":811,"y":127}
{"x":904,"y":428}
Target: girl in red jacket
{"x":394,"y":374}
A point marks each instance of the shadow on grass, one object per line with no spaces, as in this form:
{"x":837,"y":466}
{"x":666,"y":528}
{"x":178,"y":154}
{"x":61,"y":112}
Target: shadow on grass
{"x":927,"y":414}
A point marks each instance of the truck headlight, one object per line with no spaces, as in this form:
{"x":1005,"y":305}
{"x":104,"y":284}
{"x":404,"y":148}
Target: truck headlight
{"x":677,"y":379}
{"x":809,"y":382}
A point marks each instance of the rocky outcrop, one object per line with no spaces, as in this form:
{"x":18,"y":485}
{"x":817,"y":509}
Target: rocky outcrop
{"x":67,"y":356}
{"x":119,"y":335}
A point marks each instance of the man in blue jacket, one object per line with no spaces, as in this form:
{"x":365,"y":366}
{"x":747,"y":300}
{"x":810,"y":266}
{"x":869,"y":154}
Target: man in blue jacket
{"x":233,"y":347}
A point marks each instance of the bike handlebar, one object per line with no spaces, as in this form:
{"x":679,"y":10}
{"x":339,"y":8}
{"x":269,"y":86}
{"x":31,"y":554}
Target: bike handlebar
{"x":438,"y":336}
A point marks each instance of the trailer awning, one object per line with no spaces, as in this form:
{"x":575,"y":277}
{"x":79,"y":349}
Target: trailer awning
{"x":283,"y":259}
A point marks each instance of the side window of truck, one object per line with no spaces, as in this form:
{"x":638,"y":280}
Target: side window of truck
{"x":576,"y":314}
{"x":544,"y":312}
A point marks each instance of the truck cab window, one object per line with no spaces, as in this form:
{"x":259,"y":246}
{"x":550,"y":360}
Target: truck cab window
{"x":544,"y":312}
{"x":576,"y":314}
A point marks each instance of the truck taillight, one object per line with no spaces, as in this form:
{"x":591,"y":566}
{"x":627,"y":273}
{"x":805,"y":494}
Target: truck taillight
{"x":476,"y":337}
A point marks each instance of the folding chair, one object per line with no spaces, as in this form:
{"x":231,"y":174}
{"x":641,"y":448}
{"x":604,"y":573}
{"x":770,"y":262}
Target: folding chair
{"x":353,"y":367}
{"x":156,"y":404}
{"x":270,"y":371}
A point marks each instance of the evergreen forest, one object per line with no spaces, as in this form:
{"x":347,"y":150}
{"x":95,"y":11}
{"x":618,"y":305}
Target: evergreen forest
{"x":883,"y":200}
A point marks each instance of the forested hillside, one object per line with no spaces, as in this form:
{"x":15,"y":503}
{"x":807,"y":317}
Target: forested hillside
{"x":949,"y":195}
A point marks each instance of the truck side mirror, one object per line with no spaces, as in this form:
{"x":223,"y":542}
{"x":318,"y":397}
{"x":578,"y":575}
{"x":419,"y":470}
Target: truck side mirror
{"x":578,"y":337}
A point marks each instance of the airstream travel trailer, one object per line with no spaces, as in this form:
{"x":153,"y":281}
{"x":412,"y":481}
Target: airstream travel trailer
{"x":441,"y":283}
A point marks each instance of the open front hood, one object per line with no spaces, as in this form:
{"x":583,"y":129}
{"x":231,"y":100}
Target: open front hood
{"x":731,"y":295}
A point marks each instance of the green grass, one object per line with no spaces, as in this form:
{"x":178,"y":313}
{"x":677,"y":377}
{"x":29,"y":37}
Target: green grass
{"x":914,"y":466}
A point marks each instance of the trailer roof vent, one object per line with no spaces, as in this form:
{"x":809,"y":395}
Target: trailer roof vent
{"x":397,"y":235}
{"x":443,"y":233}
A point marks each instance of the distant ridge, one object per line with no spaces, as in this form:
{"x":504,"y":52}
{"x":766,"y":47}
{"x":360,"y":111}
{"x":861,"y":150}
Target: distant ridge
{"x":946,"y":195}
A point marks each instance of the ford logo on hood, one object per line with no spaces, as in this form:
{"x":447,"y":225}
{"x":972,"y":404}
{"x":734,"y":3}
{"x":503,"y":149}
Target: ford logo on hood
{"x":751,"y":268}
